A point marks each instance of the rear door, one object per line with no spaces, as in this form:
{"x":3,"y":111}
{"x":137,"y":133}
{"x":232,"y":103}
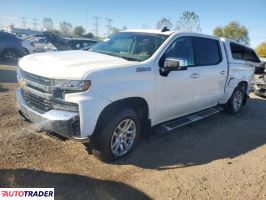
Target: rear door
{"x":211,"y":73}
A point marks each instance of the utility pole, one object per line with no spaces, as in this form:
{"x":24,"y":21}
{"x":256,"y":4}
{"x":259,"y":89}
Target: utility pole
{"x":96,"y":25}
{"x":86,"y":25}
{"x":34,"y":23}
{"x":23,"y":22}
{"x":109,"y":26}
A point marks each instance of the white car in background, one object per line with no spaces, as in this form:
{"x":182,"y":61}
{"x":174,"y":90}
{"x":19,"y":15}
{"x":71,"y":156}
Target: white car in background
{"x":37,"y":44}
{"x":28,"y":46}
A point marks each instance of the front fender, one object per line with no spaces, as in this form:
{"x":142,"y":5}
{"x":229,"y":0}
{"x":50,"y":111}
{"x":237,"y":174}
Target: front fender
{"x":125,"y":82}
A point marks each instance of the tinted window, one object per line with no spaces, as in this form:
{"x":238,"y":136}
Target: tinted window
{"x":207,"y":51}
{"x":240,"y":52}
{"x":181,"y":48}
{"x":6,"y":36}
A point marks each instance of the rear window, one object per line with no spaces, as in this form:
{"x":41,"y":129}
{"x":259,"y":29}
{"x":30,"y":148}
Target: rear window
{"x":207,"y":51}
{"x":7,"y":36}
{"x":240,"y":52}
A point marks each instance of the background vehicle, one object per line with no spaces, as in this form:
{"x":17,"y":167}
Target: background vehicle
{"x":62,"y":44}
{"x":122,"y":87}
{"x":28,"y":46}
{"x":10,"y":47}
{"x":260,"y":82}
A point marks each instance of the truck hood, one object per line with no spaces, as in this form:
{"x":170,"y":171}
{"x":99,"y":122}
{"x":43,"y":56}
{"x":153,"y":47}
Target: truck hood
{"x":69,"y":64}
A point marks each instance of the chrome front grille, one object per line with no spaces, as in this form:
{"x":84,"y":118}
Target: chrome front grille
{"x":37,"y":91}
{"x":37,"y":79}
{"x":40,"y":95}
{"x":36,"y":102}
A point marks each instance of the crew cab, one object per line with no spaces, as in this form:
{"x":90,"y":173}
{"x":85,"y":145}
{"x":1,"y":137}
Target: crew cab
{"x":132,"y":82}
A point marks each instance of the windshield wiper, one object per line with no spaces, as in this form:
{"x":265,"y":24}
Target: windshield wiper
{"x":118,"y":55}
{"x":127,"y":58}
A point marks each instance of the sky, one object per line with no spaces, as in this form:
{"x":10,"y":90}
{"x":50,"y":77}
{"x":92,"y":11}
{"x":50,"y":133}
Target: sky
{"x":135,"y":14}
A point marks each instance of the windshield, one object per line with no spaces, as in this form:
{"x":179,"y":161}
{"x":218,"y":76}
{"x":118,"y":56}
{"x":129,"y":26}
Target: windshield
{"x":131,"y":46}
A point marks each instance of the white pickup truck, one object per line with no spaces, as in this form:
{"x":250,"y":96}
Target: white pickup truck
{"x":131,"y":82}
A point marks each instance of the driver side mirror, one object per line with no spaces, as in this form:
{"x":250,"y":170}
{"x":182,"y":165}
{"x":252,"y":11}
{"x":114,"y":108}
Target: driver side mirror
{"x":173,"y":64}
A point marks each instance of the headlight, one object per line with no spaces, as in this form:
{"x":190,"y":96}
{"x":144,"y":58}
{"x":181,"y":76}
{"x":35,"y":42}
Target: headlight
{"x":72,"y":85}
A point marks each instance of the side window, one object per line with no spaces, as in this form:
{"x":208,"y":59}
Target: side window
{"x":181,"y":48}
{"x":240,"y":52}
{"x":237,"y":51}
{"x":4,"y":37}
{"x":207,"y":51}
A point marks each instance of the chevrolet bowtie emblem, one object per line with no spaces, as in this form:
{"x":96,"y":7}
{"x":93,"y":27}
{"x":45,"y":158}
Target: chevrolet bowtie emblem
{"x":22,"y":83}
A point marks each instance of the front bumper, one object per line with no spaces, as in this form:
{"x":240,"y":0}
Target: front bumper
{"x":58,"y":121}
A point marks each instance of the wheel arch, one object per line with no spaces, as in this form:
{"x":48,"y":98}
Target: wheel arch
{"x":138,"y":104}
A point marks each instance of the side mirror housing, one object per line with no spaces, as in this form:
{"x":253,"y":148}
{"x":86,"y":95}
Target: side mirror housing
{"x":173,"y":64}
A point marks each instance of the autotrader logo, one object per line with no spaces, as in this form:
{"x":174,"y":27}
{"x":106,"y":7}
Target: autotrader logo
{"x":27,"y":193}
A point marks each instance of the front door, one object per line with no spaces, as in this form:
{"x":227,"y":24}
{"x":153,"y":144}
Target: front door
{"x":176,"y":93}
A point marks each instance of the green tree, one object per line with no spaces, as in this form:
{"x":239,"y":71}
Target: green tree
{"x":164,"y":23}
{"x":89,"y":35}
{"x":65,"y":28}
{"x":233,"y":31}
{"x":78,"y":31}
{"x":115,"y":30}
{"x":189,"y":21}
{"x":48,"y":24}
{"x":218,"y":31}
{"x":261,"y":50}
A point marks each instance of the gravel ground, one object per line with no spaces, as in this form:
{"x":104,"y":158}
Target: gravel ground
{"x":222,"y":157}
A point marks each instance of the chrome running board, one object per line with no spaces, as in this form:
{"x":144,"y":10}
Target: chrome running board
{"x":174,"y":124}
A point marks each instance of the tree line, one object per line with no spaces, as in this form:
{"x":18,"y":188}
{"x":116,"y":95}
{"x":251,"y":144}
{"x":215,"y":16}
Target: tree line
{"x":66,"y":29}
{"x":190,"y":22}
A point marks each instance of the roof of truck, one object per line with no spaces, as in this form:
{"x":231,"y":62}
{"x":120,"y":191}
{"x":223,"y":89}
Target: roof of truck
{"x":157,"y":31}
{"x":154,"y":31}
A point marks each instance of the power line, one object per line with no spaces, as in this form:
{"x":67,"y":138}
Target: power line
{"x":86,"y":25}
{"x":23,"y":22}
{"x":96,"y":25}
{"x":109,"y":26}
{"x":35,"y":23}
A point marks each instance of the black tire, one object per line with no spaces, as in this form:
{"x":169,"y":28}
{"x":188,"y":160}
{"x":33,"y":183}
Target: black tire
{"x":236,"y":101}
{"x":101,"y":141}
{"x":10,"y":55}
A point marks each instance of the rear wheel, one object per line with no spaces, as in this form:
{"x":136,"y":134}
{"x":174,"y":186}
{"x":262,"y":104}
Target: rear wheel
{"x":118,"y":138}
{"x":10,"y":55}
{"x":236,"y":101}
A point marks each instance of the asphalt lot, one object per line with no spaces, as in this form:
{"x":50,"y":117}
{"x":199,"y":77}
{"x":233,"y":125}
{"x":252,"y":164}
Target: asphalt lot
{"x":222,"y":157}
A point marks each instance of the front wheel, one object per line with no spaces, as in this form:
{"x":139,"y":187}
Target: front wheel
{"x":118,"y":138}
{"x":10,"y":55}
{"x":236,"y":101}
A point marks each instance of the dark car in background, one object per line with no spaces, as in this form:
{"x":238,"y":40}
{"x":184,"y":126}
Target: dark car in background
{"x":62,"y":43}
{"x":77,"y":43}
{"x":10,"y":47}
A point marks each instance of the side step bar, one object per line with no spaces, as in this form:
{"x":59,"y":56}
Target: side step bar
{"x":174,"y":124}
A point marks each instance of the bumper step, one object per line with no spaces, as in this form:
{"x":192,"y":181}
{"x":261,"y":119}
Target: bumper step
{"x":175,"y":124}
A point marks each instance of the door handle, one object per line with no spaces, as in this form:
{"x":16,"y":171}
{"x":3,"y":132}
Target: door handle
{"x":195,"y":75}
{"x":222,"y":72}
